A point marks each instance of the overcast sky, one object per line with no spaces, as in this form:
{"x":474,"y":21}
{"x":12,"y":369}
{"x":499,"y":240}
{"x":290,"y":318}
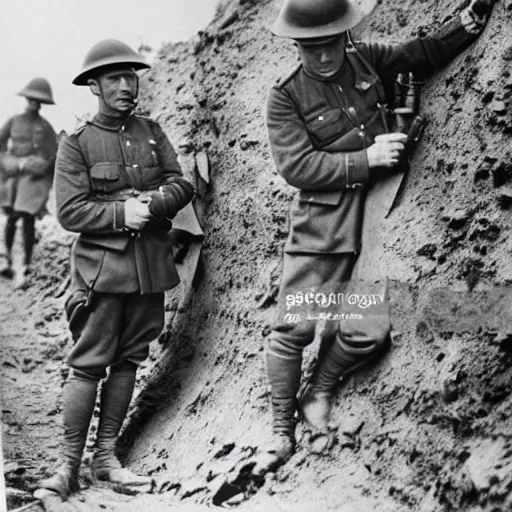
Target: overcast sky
{"x":49,"y":38}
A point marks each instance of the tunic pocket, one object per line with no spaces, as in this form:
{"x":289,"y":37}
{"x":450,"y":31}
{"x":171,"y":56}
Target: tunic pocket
{"x":327,"y":126}
{"x":106,"y":177}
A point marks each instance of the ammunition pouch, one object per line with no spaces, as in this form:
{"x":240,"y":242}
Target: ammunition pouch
{"x":77,"y":307}
{"x":78,"y":303}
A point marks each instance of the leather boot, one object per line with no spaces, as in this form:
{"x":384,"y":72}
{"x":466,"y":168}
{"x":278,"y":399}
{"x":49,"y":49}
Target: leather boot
{"x":6,"y":270}
{"x":78,"y":406}
{"x":284,"y":373}
{"x":22,"y":278}
{"x":116,"y":395}
{"x":344,"y":358}
{"x":64,"y":481}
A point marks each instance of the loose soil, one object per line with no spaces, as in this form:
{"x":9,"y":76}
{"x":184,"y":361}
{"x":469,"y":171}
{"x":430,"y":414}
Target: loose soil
{"x":426,"y":430}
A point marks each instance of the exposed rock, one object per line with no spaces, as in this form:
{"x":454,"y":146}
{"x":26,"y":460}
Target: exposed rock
{"x":499,"y":107}
{"x":457,"y":219}
{"x":484,"y":169}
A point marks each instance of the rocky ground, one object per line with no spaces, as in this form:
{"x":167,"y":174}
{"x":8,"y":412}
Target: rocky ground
{"x":428,"y":429}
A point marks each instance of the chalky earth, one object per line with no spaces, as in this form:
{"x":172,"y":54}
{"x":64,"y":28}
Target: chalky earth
{"x":428,"y":429}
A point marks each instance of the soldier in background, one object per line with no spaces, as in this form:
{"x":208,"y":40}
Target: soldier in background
{"x":28,"y":145}
{"x":323,"y":120}
{"x":118,"y":183}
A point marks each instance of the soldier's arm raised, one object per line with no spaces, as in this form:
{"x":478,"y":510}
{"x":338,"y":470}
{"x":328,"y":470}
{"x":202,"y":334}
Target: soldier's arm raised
{"x":299,"y":162}
{"x":76,"y":209}
{"x":428,"y":54}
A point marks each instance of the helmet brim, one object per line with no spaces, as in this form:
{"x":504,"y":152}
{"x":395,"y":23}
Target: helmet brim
{"x":93,"y":71}
{"x":353,"y":16}
{"x":37,"y":97}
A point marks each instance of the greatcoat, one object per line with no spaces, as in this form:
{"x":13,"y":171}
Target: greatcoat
{"x":26,"y":135}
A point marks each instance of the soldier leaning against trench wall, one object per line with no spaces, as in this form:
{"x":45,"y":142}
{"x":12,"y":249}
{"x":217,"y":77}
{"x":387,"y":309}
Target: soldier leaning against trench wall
{"x":332,"y":138}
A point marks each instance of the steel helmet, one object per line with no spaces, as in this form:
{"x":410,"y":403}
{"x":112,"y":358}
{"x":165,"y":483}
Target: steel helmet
{"x":304,"y":19}
{"x":38,"y":89}
{"x":109,"y":52}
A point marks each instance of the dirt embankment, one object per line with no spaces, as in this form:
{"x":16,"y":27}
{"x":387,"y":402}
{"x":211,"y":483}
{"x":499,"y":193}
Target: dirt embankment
{"x":429,"y":428}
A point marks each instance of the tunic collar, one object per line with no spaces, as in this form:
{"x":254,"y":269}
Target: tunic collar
{"x":31,"y":115}
{"x":109,"y":122}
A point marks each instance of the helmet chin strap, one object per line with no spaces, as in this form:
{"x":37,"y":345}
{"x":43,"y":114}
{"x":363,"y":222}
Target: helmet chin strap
{"x":135,"y":100}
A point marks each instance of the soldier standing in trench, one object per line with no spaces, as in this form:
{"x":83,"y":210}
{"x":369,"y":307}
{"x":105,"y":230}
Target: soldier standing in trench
{"x":322,"y":120}
{"x":28,"y":145}
{"x":118,"y":183}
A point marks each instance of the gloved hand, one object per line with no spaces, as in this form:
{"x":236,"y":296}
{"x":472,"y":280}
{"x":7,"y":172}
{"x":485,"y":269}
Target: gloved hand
{"x":474,"y":17}
{"x":169,"y":199}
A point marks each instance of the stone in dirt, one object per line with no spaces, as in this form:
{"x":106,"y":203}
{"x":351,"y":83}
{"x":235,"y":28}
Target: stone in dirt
{"x":457,"y":219}
{"x":499,"y":107}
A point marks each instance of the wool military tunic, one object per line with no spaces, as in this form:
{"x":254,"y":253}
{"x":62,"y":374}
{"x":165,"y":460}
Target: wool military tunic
{"x":97,"y":169}
{"x":28,"y":134}
{"x":319,"y":131}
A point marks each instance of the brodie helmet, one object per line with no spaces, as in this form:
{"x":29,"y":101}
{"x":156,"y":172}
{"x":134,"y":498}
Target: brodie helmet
{"x":38,"y":89}
{"x":306,"y":19}
{"x":109,"y":52}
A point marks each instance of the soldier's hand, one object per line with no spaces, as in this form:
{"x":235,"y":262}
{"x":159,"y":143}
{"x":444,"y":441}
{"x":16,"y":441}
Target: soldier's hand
{"x":475,"y":16}
{"x":386,"y":150}
{"x":34,"y":165}
{"x":136,"y":213}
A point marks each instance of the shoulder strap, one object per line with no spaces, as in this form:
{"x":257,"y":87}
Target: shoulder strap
{"x":352,"y":50}
{"x":284,"y":80}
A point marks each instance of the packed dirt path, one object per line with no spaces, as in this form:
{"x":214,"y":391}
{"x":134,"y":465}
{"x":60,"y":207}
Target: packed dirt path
{"x":33,"y":344}
{"x":31,"y":376}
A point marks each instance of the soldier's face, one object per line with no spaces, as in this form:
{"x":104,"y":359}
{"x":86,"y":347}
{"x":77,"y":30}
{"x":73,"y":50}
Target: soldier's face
{"x":118,"y":89}
{"x":33,"y":105}
{"x":322,"y":60}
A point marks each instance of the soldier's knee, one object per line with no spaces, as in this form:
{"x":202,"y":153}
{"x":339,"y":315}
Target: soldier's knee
{"x":282,"y":347}
{"x":291,"y":338}
{"x":125,"y":366}
{"x":365,"y":342}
